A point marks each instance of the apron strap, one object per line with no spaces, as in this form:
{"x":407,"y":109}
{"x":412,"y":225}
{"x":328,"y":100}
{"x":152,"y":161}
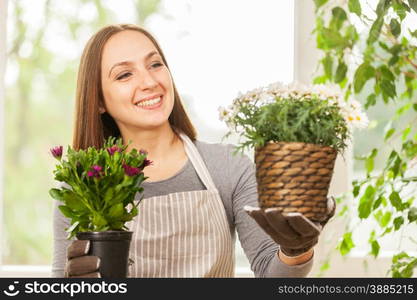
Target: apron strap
{"x":198,"y":162}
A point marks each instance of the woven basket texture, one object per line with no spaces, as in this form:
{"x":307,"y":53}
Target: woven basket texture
{"x":295,"y":177}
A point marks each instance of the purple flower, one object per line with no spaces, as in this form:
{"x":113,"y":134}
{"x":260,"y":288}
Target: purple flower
{"x":113,"y":150}
{"x":143,"y":152}
{"x":57,"y":152}
{"x":97,"y":168}
{"x":146,"y":163}
{"x":131,"y":171}
{"x":95,"y":171}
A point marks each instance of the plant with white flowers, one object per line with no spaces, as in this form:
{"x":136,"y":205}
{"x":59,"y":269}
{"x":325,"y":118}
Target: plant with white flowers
{"x":294,"y":112}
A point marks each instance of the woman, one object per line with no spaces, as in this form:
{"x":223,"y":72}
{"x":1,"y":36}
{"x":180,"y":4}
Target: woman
{"x":125,"y":89}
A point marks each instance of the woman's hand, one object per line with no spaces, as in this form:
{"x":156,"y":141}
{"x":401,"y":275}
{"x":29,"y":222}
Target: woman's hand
{"x":292,"y":231}
{"x":79,"y":264}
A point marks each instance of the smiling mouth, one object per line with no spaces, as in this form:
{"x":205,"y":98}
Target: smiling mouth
{"x":150,"y":104}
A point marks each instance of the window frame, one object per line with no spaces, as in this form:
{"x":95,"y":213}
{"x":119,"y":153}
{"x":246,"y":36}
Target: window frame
{"x":305,"y":61}
{"x":3,"y":37}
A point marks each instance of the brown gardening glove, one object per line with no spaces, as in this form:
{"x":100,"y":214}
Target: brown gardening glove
{"x":292,"y":231}
{"x":79,"y":264}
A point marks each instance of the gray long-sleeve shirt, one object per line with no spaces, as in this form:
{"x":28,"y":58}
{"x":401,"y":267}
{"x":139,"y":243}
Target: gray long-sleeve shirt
{"x":234,"y":177}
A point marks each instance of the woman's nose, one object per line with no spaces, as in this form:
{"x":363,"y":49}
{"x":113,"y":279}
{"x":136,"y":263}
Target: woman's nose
{"x":146,"y":80}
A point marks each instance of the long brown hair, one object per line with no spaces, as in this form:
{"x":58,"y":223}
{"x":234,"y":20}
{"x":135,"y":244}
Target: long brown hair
{"x":91,"y":127}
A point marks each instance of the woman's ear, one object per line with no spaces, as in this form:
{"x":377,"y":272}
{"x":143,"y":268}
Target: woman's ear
{"x":101,"y":107}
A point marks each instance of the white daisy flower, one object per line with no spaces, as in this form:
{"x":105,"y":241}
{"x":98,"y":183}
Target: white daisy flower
{"x":223,"y":113}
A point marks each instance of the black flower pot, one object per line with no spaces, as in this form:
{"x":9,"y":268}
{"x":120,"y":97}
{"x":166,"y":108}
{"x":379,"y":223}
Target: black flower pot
{"x":112,"y":247}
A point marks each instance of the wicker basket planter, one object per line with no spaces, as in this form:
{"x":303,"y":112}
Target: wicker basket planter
{"x":295,"y":177}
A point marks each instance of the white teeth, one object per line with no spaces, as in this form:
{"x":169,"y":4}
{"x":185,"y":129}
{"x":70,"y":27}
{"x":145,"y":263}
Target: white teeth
{"x":149,"y":102}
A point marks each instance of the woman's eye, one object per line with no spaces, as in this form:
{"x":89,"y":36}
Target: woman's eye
{"x":155,"y":65}
{"x":125,"y":75}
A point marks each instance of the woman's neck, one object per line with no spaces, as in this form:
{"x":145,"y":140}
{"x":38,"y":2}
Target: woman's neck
{"x":158,"y":142}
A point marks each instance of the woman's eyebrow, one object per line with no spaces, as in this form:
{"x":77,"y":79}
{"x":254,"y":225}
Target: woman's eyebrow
{"x":149,"y":55}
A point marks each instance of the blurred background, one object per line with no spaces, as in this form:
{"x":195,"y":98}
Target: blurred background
{"x":215,"y":49}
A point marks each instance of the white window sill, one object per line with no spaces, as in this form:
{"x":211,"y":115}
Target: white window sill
{"x":31,"y":271}
{"x":28,"y":271}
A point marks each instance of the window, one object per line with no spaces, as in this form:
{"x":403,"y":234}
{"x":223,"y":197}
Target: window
{"x":215,"y":49}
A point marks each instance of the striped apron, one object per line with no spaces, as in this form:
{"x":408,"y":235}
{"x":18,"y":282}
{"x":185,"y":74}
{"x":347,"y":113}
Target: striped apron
{"x":183,"y":234}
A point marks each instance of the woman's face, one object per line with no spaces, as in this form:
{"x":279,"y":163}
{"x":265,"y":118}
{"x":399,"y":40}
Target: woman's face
{"x":137,"y":86}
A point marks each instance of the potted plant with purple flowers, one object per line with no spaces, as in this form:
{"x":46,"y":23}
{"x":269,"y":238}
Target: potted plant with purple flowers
{"x":99,"y":198}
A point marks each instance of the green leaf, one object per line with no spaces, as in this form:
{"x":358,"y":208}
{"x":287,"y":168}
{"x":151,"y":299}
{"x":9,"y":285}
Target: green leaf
{"x":343,"y":211}
{"x":388,"y":90}
{"x":320,"y":3}
{"x":98,"y":221}
{"x":375,"y":30}
{"x":375,"y":248}
{"x":403,"y":265}
{"x":67,"y":212}
{"x":386,"y":231}
{"x":378,"y":202}
{"x":56,"y":194}
{"x":338,"y":17}
{"x":396,"y":167}
{"x":116,"y":211}
{"x":366,"y":201}
{"x":395,"y":200}
{"x":395,"y":27}
{"x":398,"y":221}
{"x":382,"y":7}
{"x":393,"y":155}
{"x":333,"y":39}
{"x":393,"y":60}
{"x":401,"y":9}
{"x":356,"y":190}
{"x":385,"y":219}
{"x":370,"y":101}
{"x":394,"y":50}
{"x":386,"y":73}
{"x":108,"y":196}
{"x":72,"y":227}
{"x":320,"y":79}
{"x":355,"y":7}
{"x":403,"y":109}
{"x":389,"y":134}
{"x":346,"y":244}
{"x":369,"y":164}
{"x":406,"y":132}
{"x":398,"y":257}
{"x":325,"y":266}
{"x":351,"y":34}
{"x":409,"y":147}
{"x":362,"y":75}
{"x":412,"y":214}
{"x":73,"y":202}
{"x":383,"y":46}
{"x":380,"y":181}
{"x":413,"y":4}
{"x":328,"y":66}
{"x":340,"y":72}
{"x":386,"y":82}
